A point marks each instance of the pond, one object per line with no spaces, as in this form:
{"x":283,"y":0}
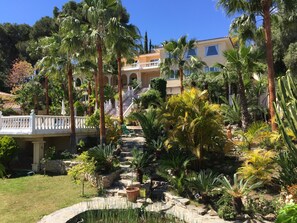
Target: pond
{"x":137,"y":215}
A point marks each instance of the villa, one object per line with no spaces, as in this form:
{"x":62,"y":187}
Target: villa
{"x":39,"y":132}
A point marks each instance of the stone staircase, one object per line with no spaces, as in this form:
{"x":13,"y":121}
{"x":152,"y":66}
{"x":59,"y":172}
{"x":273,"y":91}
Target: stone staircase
{"x":128,"y":176}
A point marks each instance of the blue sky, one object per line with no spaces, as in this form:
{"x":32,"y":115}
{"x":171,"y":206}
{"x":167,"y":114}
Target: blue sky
{"x":162,"y":19}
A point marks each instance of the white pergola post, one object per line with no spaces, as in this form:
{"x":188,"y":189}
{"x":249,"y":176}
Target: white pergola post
{"x":38,"y":154}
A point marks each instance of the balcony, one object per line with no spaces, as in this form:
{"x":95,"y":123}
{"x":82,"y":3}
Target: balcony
{"x":41,"y":125}
{"x":142,"y":66}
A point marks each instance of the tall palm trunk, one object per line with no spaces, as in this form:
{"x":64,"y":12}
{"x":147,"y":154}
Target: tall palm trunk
{"x":46,"y":96}
{"x":181,"y":77}
{"x":89,"y":98}
{"x":101,"y":92}
{"x":120,"y":88}
{"x":269,"y":57}
{"x":72,"y":120}
{"x":96,"y":79}
{"x":245,"y":116}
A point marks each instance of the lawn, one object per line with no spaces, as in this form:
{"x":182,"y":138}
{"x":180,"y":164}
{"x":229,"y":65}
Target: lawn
{"x":28,"y":199}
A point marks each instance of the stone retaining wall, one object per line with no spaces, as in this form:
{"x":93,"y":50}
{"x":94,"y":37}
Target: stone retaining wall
{"x":58,"y":166}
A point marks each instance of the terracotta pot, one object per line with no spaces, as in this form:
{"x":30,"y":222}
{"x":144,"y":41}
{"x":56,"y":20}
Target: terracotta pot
{"x":132,"y":193}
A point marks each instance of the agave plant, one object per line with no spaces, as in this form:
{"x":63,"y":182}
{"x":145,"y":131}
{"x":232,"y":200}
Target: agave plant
{"x":103,"y":155}
{"x":203,"y":183}
{"x":239,"y":189}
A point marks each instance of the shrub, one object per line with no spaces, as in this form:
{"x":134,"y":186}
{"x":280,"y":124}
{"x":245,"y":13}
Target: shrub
{"x":262,"y":206}
{"x":2,"y":171}
{"x":8,"y":148}
{"x":193,"y":123}
{"x":78,"y":172}
{"x":159,"y":84}
{"x":150,"y":122}
{"x":227,"y":212}
{"x":259,"y":164}
{"x":151,"y":97}
{"x":9,"y":111}
{"x":104,"y":158}
{"x":287,"y":214}
{"x":113,"y":132}
{"x":174,"y":166}
{"x":203,"y":183}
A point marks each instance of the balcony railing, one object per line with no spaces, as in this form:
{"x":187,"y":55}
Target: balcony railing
{"x":40,"y":124}
{"x":146,"y":65}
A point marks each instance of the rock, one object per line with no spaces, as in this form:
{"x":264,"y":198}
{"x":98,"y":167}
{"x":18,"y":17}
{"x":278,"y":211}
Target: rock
{"x":168,"y":196}
{"x":122,"y":193}
{"x":183,"y":201}
{"x":149,"y":201}
{"x":270,"y":217}
{"x":212,"y":212}
{"x":142,"y":201}
{"x":202,"y":210}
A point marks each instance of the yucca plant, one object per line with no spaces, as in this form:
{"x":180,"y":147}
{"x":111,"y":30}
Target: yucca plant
{"x":203,"y":183}
{"x":259,"y":164}
{"x":238,"y":189}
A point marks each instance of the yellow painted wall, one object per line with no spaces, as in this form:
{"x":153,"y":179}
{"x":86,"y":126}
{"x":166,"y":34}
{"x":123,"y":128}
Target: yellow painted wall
{"x":147,"y":76}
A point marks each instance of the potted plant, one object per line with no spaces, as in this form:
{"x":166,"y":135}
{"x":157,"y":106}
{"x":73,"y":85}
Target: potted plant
{"x":132,"y":193}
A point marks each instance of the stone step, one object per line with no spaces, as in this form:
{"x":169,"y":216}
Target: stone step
{"x":124,"y":153}
{"x":129,"y":175}
{"x":125,"y":182}
{"x":126,"y":159}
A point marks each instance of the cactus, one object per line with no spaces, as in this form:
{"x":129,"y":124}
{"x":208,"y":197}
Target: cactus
{"x":287,"y":119}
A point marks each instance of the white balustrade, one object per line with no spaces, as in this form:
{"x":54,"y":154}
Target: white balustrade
{"x":152,"y":64}
{"x":39,"y":124}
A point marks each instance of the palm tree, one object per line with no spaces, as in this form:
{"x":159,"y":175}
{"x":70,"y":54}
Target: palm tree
{"x":177,"y":56}
{"x":98,"y":14}
{"x":251,"y":9}
{"x":242,"y":62}
{"x":60,"y":52}
{"x":122,"y":41}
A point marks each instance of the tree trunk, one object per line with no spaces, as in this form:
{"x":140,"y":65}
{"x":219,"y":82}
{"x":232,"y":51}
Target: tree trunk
{"x":139,"y":176}
{"x":120,"y":88}
{"x":181,"y":77}
{"x":72,"y":120}
{"x":46,"y":96}
{"x":101,"y":93}
{"x":96,"y":79}
{"x":89,"y":98}
{"x":269,"y":57}
{"x":245,"y":116}
{"x":238,"y":205}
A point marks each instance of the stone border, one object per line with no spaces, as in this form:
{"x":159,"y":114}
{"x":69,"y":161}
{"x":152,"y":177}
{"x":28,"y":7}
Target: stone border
{"x":189,"y":214}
